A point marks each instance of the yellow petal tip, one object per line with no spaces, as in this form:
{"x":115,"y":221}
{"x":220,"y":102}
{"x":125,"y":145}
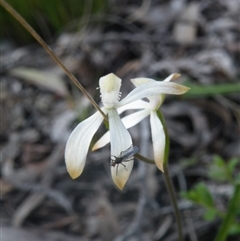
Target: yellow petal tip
{"x":74,"y":173}
{"x":120,"y":187}
{"x":176,"y":76}
{"x":96,"y":146}
{"x":160,"y":166}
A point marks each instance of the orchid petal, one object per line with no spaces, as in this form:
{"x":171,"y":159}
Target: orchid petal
{"x":103,"y":141}
{"x":78,"y":144}
{"x":155,"y":100}
{"x":158,"y":139}
{"x":134,"y":118}
{"x":154,"y":88}
{"x":138,"y":104}
{"x":128,"y":121}
{"x":120,"y":141}
{"x":143,"y":80}
{"x":172,"y":77}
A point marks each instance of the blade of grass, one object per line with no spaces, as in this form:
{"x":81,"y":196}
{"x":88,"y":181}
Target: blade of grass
{"x":231,"y":213}
{"x":211,"y":90}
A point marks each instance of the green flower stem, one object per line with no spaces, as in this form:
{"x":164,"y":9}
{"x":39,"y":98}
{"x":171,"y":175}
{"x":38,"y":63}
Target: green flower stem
{"x":144,"y":159}
{"x":19,"y":18}
{"x":168,"y":180}
{"x":231,"y":212}
{"x":171,"y":192}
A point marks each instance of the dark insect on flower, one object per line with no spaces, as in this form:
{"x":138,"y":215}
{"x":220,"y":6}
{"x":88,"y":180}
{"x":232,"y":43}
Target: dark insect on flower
{"x":124,"y":156}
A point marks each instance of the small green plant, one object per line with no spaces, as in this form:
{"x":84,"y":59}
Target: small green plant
{"x":201,"y":196}
{"x":220,"y":171}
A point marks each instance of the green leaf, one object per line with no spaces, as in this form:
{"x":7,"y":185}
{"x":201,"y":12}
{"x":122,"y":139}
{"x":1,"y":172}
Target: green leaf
{"x":232,"y":164}
{"x":210,"y":90}
{"x":210,"y":214}
{"x":233,"y":208}
{"x":191,"y":195}
{"x":200,"y":195}
{"x":234,"y":229}
{"x":218,"y":170}
{"x":221,"y":170}
{"x":205,"y":195}
{"x":237,"y":178}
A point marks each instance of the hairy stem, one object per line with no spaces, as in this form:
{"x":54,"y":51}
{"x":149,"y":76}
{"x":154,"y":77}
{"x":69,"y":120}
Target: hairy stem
{"x":172,"y":195}
{"x":168,"y":180}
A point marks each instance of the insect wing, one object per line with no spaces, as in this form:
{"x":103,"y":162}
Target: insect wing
{"x":124,"y":157}
{"x":131,"y":151}
{"x":135,"y":150}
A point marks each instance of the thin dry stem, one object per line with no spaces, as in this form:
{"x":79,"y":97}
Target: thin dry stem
{"x":19,"y":18}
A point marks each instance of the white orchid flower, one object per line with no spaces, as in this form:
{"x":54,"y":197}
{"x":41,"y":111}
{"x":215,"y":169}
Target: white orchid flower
{"x":80,"y":139}
{"x":155,"y":92}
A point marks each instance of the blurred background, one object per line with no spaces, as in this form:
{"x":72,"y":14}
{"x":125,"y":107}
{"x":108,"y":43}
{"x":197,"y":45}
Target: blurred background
{"x":40,"y":107}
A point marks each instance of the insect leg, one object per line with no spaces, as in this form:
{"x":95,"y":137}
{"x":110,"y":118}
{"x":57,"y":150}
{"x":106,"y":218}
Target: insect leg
{"x":117,"y":169}
{"x":123,"y":165}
